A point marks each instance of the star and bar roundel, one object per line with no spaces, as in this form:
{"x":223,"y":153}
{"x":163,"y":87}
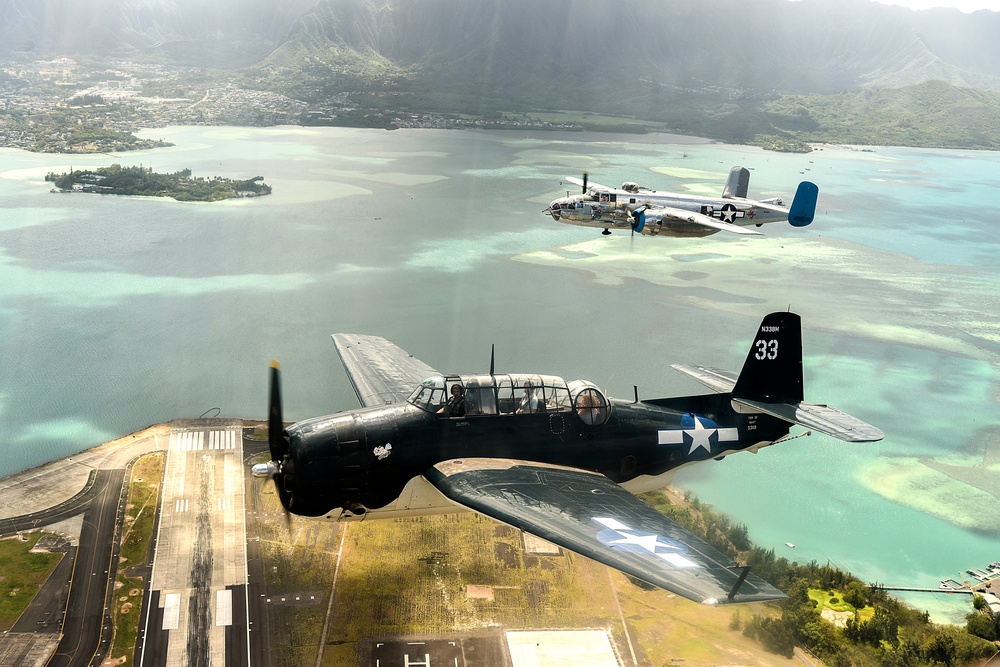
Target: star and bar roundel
{"x":697,"y":433}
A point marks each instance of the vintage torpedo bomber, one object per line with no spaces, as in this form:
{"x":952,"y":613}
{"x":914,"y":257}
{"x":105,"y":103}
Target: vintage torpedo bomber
{"x":653,"y":213}
{"x":557,"y":459}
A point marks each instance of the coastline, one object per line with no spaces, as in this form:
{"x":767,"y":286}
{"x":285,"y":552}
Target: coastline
{"x":57,"y":481}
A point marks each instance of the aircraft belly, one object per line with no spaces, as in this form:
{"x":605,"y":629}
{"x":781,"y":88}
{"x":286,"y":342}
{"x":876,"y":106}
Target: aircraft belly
{"x":418,"y":498}
{"x":644,"y":483}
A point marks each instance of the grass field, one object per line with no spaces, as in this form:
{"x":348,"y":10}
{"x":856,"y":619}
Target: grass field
{"x":23,"y":574}
{"x":411,"y":577}
{"x":140,"y":517}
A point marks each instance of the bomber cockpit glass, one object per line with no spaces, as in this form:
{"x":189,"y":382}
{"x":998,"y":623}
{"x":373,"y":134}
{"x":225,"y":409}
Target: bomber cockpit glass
{"x":589,"y":403}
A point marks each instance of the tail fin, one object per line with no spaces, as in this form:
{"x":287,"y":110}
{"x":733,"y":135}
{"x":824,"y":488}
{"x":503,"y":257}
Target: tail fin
{"x":738,"y":183}
{"x":771,"y":383}
{"x":772,"y":372}
{"x":803,"y":208}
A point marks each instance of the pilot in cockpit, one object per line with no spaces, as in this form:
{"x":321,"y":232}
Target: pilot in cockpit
{"x":529,"y":401}
{"x":455,"y":407}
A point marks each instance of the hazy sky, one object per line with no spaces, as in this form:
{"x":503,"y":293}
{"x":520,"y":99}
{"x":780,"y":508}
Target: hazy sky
{"x":963,"y":5}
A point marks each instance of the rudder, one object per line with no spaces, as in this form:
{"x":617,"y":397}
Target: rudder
{"x":772,"y":372}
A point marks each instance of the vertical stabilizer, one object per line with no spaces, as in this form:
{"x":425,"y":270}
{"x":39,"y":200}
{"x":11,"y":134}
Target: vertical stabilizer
{"x":804,"y":205}
{"x":772,"y":372}
{"x":738,"y":183}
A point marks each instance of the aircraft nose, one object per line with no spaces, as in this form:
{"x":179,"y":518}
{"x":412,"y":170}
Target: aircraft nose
{"x":554,"y":209}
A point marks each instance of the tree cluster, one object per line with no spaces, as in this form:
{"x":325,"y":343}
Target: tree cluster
{"x":144,"y":182}
{"x":888,"y":634}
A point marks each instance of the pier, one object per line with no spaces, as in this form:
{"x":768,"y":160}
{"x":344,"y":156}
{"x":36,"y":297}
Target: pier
{"x":917,"y":589}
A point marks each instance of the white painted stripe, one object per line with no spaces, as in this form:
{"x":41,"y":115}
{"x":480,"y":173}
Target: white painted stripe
{"x":670,"y":437}
{"x":729,"y":434}
{"x":171,"y":611}
{"x":199,"y":439}
{"x":678,"y":560}
{"x":613,"y":524}
{"x":224,"y":607}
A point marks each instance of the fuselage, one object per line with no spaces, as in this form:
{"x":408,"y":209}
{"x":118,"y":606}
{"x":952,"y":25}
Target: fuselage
{"x":371,"y":460}
{"x":612,"y":208}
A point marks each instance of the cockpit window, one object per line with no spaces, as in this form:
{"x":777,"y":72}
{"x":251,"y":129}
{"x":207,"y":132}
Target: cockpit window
{"x":430,"y":395}
{"x":589,"y":403}
{"x":474,"y":395}
{"x":480,"y":395}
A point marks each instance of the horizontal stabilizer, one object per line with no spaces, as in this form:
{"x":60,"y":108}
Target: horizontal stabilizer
{"x":822,"y":418}
{"x":716,"y":379}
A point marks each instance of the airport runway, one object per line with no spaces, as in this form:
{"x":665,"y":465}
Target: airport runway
{"x":197,"y":598}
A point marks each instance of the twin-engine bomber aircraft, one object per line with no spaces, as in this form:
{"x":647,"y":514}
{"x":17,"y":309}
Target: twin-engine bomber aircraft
{"x":653,"y":213}
{"x":556,"y":459}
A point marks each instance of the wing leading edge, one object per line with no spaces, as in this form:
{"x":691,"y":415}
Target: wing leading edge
{"x":694,"y":218}
{"x":380,"y":371}
{"x":589,"y":514}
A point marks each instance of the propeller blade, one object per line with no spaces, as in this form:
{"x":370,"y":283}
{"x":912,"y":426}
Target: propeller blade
{"x":584,"y":183}
{"x":275,"y":425}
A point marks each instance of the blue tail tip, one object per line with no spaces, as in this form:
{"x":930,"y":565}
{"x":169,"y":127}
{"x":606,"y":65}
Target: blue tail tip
{"x":803,"y":208}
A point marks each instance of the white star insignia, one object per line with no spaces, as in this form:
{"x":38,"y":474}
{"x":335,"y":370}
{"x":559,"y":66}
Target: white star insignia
{"x":647,"y":542}
{"x":700,"y":437}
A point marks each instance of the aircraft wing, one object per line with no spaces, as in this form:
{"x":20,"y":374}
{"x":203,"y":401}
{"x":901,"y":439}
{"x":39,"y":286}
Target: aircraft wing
{"x":683,"y":215}
{"x":589,"y":514}
{"x":381,"y":371}
{"x":589,"y":184}
{"x":716,"y":379}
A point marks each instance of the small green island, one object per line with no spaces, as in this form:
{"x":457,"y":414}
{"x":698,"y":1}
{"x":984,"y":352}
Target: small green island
{"x":142,"y":182}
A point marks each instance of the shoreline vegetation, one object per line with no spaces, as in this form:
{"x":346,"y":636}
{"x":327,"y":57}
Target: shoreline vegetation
{"x":142,"y":182}
{"x":874,"y":630}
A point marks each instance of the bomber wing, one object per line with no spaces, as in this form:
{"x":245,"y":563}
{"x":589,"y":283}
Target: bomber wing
{"x":590,"y":185}
{"x":381,"y":371}
{"x":683,"y":215}
{"x":589,"y":514}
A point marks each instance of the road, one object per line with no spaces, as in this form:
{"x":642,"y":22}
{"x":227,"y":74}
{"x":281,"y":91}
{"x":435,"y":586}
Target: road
{"x":86,"y":629}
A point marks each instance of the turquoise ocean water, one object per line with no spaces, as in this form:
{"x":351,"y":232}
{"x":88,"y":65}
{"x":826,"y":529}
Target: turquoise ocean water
{"x":116,"y":313}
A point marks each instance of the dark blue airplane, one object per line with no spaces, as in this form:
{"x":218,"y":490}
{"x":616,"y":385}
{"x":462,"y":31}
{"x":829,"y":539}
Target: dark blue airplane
{"x":557,"y":459}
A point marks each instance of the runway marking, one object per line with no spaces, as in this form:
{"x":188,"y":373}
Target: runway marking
{"x":171,"y":611}
{"x":224,"y":607}
{"x":222,"y":439}
{"x":224,"y":504}
{"x":181,"y":505}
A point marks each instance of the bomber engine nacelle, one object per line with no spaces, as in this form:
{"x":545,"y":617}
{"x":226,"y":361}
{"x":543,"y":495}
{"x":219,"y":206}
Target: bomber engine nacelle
{"x":649,"y":222}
